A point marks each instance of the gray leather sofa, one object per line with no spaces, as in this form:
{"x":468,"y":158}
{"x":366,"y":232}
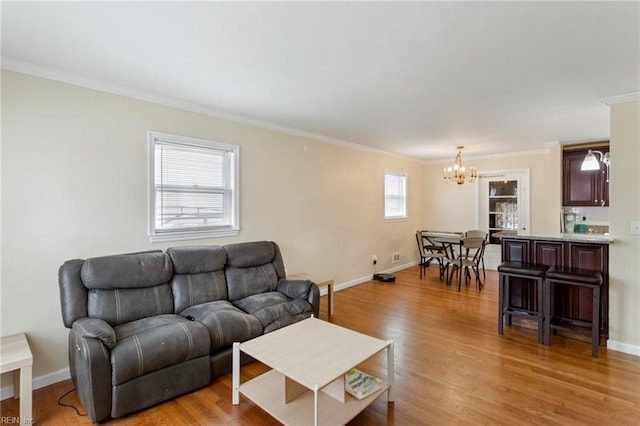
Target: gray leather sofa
{"x":147,"y":327}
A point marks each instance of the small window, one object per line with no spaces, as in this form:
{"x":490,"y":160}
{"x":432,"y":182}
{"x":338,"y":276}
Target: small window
{"x":395,"y":195}
{"x":193,"y":188}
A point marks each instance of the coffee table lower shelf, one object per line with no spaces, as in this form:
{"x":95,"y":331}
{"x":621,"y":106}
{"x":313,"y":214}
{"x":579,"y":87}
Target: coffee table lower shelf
{"x":267,"y":391}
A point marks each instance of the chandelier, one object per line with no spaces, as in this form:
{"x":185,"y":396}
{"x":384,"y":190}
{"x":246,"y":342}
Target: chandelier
{"x":457,"y":173}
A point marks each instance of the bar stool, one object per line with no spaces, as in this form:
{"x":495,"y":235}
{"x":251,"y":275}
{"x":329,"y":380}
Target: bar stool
{"x":576,"y":277}
{"x":508,"y":270}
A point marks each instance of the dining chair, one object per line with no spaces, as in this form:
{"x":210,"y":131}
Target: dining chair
{"x":429,"y":252}
{"x":471,"y":257}
{"x":476,"y":233}
{"x":480,"y":234}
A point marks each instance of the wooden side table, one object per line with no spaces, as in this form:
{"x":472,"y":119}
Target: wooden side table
{"x":322,"y":282}
{"x":15,"y":355}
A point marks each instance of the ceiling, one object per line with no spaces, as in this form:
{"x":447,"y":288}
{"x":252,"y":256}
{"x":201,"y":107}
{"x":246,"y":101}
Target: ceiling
{"x":414,"y":79}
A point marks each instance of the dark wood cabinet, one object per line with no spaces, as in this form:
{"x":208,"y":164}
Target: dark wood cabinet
{"x":584,"y":188}
{"x":571,"y":302}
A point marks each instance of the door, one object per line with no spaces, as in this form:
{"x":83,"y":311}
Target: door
{"x":503,"y":206}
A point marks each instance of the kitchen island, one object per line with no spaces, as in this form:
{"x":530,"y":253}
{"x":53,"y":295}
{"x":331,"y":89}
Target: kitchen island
{"x":584,"y":251}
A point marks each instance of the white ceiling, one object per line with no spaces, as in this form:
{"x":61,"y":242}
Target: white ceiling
{"x":415,"y":79}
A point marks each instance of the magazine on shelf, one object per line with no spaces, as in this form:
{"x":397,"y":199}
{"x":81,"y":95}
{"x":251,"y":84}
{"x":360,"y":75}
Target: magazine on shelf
{"x":360,"y":384}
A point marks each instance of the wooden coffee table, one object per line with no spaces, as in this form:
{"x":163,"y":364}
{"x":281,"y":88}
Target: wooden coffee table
{"x":309,"y":360}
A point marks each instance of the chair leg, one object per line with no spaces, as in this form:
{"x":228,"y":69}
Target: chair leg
{"x":476,"y":270}
{"x":441,"y":268}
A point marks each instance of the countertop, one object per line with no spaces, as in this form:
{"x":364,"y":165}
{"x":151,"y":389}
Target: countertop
{"x":569,"y":236}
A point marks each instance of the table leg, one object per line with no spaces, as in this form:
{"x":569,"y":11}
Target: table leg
{"x":315,"y":405}
{"x":25,"y":395}
{"x":16,"y":383}
{"x":235,"y":385}
{"x":330,"y":297}
{"x":390,"y":372}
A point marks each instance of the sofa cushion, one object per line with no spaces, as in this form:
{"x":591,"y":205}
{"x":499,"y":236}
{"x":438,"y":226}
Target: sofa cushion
{"x":197,"y":259}
{"x":198,"y":275}
{"x":225,"y":322}
{"x":274,"y":310}
{"x":119,"y":306}
{"x":127,"y":270}
{"x":150,"y":344}
{"x":243,"y":255}
{"x":243,"y":282}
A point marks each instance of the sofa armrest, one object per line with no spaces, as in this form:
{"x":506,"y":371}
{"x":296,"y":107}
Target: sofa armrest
{"x":96,"y":328}
{"x":294,"y":289}
{"x":301,"y":289}
{"x":90,"y":368}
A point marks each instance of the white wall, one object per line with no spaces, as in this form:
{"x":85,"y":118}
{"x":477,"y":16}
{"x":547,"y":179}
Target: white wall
{"x":74,"y":185}
{"x":624,"y":254}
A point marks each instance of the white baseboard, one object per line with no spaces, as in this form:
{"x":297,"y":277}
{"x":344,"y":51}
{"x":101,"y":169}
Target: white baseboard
{"x":64,"y":374}
{"x":401,"y":267}
{"x":366,"y":278}
{"x":39,"y":382}
{"x":623,"y":347}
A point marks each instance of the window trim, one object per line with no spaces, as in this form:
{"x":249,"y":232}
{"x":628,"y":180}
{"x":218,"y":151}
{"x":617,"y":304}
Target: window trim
{"x":384,"y":196}
{"x":178,"y":235}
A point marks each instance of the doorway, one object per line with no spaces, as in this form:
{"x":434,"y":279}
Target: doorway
{"x":503,"y":207}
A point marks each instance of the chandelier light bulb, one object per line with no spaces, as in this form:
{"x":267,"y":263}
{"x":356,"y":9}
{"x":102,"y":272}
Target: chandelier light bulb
{"x":458,"y":173}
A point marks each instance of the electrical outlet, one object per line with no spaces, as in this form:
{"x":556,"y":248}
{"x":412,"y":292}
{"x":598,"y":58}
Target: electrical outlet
{"x":635,"y":227}
{"x":374,"y":259}
{"x":395,"y":258}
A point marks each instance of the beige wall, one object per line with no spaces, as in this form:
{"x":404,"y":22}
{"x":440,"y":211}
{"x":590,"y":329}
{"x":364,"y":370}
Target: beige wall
{"x":459,"y":212}
{"x":624,"y":198}
{"x":74,"y":185}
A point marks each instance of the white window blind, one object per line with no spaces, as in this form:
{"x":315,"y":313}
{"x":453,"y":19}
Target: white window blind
{"x":395,"y":195}
{"x":193,"y":192}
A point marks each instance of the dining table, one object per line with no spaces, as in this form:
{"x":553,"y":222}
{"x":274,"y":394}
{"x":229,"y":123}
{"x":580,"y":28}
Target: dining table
{"x":448,"y":243}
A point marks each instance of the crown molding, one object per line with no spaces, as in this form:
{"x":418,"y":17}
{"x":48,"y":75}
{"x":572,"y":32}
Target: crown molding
{"x":544,"y":151}
{"x":621,"y":99}
{"x":49,"y":73}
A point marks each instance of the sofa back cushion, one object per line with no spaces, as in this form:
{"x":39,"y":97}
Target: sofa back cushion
{"x":252,"y":268}
{"x":127,"y":287}
{"x":198,"y":275}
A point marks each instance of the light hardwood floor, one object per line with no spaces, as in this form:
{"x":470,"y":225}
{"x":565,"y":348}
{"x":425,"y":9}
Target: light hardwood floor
{"x":452,"y":367}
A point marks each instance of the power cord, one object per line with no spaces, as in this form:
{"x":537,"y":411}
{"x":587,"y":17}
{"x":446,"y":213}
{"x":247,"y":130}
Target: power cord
{"x":62,"y":404}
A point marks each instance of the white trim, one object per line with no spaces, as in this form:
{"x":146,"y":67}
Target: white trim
{"x":524,"y":195}
{"x":544,"y":151}
{"x":196,"y":235}
{"x":623,"y":347}
{"x":39,"y":382}
{"x":368,"y":278}
{"x":234,"y":216}
{"x":621,"y":99}
{"x":15,"y":65}
{"x":404,"y":175}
